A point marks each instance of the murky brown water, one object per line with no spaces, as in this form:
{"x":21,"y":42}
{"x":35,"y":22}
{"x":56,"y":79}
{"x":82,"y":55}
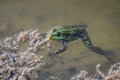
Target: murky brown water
{"x":101,"y":16}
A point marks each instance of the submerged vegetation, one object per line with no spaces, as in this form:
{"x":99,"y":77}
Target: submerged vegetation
{"x":112,"y":74}
{"x":27,"y":63}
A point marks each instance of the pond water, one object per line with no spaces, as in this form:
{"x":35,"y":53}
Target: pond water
{"x":101,"y":16}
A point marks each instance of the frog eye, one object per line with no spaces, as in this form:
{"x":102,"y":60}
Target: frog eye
{"x":58,"y":33}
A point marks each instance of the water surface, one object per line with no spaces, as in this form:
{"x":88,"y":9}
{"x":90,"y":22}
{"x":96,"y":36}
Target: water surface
{"x":101,"y":16}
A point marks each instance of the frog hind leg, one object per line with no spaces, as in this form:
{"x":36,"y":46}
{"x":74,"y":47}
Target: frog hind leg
{"x":86,"y":40}
{"x":62,"y":49}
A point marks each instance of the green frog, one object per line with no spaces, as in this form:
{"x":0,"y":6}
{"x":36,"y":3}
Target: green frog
{"x":65,"y":34}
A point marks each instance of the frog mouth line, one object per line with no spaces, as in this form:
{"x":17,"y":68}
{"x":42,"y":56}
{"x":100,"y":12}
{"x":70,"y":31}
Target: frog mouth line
{"x":49,"y":37}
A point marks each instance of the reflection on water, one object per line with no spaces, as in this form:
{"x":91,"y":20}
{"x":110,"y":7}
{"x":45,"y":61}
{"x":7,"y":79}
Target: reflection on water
{"x":102,"y":18}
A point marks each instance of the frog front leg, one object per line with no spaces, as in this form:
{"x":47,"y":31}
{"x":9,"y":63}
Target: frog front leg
{"x":62,"y":49}
{"x":86,"y":40}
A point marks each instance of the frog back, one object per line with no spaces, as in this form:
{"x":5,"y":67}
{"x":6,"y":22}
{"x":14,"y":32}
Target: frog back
{"x":82,"y":26}
{"x":76,"y":29}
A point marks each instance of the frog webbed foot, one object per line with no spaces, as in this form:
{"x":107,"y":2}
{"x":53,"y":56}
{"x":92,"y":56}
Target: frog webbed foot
{"x":62,"y":49}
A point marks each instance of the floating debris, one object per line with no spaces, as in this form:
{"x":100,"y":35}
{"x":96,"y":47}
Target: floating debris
{"x":112,"y":74}
{"x":53,"y":78}
{"x":20,"y":66}
{"x":25,"y":63}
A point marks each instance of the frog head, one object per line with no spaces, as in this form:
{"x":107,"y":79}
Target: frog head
{"x":56,"y":34}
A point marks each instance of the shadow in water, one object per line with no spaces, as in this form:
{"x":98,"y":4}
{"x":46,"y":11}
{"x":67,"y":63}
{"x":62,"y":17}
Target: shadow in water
{"x":108,"y":54}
